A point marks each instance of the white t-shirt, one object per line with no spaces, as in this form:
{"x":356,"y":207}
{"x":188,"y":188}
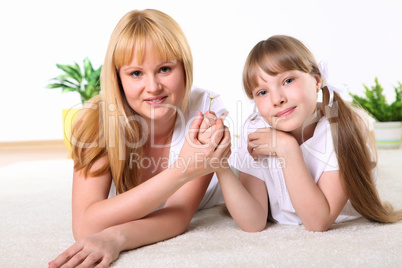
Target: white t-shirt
{"x":318,"y":154}
{"x":198,"y":100}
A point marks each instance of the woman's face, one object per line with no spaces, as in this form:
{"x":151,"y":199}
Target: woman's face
{"x":286,"y":100}
{"x":153,"y":88}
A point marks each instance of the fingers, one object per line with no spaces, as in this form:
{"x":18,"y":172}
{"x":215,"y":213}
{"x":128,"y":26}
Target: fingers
{"x":195,"y":127}
{"x":262,"y":142}
{"x":66,"y":256}
{"x":209,"y":121}
{"x":218,"y":133}
{"x":224,"y":143}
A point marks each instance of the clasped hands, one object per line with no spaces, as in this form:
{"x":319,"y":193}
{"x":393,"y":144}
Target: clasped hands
{"x":207,"y":146}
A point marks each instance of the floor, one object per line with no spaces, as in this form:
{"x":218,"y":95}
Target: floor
{"x":33,"y":151}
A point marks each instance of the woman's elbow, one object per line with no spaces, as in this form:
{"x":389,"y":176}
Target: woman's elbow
{"x":317,"y":227}
{"x":83,"y":230}
{"x":253,"y":227}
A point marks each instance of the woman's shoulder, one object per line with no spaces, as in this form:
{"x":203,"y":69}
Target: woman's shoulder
{"x":197,"y":93}
{"x":200,"y":99}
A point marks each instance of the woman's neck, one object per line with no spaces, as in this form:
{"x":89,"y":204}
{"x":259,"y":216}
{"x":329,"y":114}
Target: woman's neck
{"x":161,"y":131}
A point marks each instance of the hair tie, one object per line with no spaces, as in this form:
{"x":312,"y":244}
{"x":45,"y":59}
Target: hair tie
{"x":323,"y":67}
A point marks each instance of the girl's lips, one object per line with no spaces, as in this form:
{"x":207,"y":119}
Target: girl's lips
{"x":285,"y":112}
{"x":156,"y":100}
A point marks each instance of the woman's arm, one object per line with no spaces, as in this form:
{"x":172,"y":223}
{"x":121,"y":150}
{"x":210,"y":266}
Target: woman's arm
{"x":317,"y":205}
{"x":173,"y":219}
{"x":246,"y":199}
{"x":93,"y":212}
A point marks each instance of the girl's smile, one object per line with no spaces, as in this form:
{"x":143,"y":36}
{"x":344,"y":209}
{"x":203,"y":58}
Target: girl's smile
{"x":285,"y":113}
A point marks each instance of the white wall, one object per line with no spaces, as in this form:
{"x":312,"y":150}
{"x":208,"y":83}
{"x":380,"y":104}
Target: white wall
{"x":360,"y":39}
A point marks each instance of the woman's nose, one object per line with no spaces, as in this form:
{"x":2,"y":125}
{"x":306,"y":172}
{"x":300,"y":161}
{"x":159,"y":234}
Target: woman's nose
{"x":153,"y":84}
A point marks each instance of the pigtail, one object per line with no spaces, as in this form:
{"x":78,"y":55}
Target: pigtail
{"x":356,"y":163}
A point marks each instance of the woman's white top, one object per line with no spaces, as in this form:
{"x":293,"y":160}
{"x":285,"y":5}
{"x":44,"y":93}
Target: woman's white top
{"x":318,"y":154}
{"x":198,"y":101}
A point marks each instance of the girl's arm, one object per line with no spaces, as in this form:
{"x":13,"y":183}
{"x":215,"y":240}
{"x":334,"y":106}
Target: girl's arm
{"x":317,"y":205}
{"x":246,"y":199}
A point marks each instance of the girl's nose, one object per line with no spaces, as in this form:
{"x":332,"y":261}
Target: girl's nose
{"x":278,"y":97}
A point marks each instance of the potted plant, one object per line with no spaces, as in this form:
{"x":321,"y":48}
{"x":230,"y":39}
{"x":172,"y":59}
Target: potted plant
{"x":388,"y":125}
{"x":85,"y":81}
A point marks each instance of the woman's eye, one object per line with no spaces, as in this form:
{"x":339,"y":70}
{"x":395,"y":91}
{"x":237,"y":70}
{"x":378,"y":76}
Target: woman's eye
{"x":136,"y":73}
{"x":165,"y":69}
{"x":261,"y":93}
{"x":288,"y":81}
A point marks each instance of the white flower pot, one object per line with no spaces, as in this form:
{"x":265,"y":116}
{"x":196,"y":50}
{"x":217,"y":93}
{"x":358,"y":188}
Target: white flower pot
{"x":388,"y":134}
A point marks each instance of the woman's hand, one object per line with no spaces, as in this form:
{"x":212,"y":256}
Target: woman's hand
{"x":207,"y":127}
{"x":197,"y":159}
{"x":270,"y":142}
{"x":100,"y":249}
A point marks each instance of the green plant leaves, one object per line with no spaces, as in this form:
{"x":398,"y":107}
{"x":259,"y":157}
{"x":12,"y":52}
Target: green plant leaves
{"x":84,"y":81}
{"x":375,"y":103}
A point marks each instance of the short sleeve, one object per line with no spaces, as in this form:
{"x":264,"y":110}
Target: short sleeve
{"x":199,"y":102}
{"x":240,"y":158}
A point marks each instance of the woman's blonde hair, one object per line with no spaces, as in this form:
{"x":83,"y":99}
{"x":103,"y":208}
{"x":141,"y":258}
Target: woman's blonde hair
{"x":349,"y":130}
{"x":108,"y":126}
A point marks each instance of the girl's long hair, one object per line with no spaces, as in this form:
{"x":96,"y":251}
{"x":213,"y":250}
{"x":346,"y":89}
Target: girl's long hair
{"x":107,"y":125}
{"x":355,"y":150}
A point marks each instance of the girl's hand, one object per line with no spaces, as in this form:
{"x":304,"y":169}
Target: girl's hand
{"x":270,"y":142}
{"x":197,"y":159}
{"x":100,"y":249}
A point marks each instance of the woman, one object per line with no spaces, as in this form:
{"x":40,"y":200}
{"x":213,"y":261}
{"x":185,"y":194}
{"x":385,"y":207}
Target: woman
{"x":131,"y":140}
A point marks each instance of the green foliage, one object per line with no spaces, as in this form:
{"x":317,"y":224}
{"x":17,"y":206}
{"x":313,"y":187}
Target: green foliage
{"x":85,"y":81}
{"x":375,"y":103}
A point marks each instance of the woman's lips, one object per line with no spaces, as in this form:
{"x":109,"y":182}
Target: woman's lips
{"x":285,"y":112}
{"x":155,"y":100}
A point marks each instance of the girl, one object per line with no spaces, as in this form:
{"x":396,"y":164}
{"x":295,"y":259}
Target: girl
{"x":300,"y":162}
{"x":131,"y":140}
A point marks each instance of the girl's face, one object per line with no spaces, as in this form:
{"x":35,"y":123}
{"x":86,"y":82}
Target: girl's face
{"x":153,"y":88}
{"x":286,"y":100}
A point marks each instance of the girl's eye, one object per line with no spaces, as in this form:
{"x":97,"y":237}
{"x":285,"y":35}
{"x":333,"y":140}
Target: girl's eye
{"x":165,"y":69}
{"x":288,"y":81}
{"x":261,"y":93}
{"x":136,"y":73}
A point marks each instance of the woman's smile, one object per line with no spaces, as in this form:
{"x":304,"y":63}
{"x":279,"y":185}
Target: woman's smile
{"x":155,"y":100}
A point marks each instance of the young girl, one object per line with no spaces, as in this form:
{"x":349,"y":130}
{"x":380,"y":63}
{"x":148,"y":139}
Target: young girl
{"x":300,"y":162}
{"x":132,"y":140}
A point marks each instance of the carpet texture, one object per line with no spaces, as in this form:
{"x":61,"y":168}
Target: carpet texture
{"x":35,"y":225}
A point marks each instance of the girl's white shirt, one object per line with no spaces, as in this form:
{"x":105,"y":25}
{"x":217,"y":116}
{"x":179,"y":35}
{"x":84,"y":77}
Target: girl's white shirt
{"x":318,"y":154}
{"x":198,"y":100}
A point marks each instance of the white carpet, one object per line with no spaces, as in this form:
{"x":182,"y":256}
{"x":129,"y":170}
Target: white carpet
{"x":35,"y":226}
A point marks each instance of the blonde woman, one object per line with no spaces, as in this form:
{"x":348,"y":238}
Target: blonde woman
{"x":301,"y":161}
{"x":140,"y":170}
